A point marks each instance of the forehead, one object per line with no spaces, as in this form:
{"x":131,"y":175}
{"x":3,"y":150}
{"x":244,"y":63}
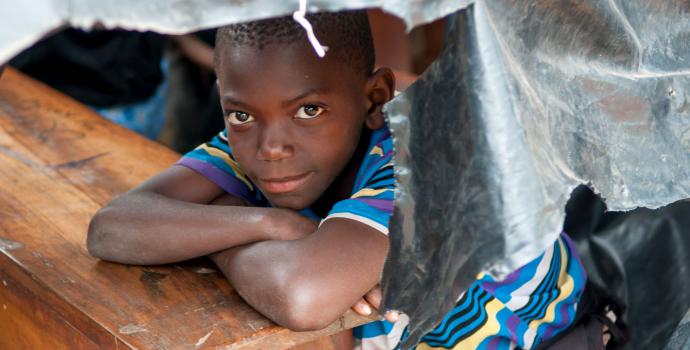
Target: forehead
{"x":287,"y":66}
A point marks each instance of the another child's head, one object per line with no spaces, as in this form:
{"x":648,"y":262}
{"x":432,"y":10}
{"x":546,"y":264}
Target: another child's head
{"x":294,"y":120}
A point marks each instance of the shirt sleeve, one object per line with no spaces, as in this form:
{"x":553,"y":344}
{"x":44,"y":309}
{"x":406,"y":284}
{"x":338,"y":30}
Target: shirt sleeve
{"x":214,"y":161}
{"x":372,"y":201}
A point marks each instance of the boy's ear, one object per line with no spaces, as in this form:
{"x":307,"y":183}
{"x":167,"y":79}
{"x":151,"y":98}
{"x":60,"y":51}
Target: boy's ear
{"x":379,"y":89}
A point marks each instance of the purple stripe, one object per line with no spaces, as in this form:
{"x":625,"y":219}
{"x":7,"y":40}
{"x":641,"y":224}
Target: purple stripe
{"x":512,"y":324}
{"x":229,"y":183}
{"x":513,"y":321}
{"x":564,"y":322}
{"x":494,"y":343}
{"x":382,"y":135}
{"x":381,"y":204}
{"x":573,"y":252}
{"x":510,"y":279}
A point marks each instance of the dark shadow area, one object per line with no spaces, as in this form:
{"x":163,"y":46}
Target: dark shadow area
{"x":641,"y":257}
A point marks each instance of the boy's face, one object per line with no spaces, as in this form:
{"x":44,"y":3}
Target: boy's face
{"x":294,"y":120}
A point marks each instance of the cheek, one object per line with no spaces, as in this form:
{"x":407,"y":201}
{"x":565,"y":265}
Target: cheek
{"x":339,"y":146}
{"x":242,"y":149}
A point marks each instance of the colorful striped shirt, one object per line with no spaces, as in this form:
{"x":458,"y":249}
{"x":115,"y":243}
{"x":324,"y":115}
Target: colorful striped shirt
{"x":532,"y":304}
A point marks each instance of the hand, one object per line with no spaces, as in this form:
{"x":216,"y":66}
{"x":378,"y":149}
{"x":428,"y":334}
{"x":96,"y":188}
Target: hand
{"x":290,"y":225}
{"x":373,"y":300}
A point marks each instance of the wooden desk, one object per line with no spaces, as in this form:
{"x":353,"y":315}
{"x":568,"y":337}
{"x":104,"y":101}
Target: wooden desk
{"x":59,"y":163}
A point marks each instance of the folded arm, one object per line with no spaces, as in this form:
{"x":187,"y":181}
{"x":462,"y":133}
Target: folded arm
{"x":171,"y":218}
{"x":306,"y":284}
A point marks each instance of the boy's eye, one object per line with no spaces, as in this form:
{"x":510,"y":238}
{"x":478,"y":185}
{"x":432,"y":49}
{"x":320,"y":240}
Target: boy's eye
{"x":239,"y":118}
{"x":308,"y":112}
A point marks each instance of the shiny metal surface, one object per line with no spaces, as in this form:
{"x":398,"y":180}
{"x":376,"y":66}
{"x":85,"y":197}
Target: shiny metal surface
{"x":22,"y":23}
{"x":530,"y":99}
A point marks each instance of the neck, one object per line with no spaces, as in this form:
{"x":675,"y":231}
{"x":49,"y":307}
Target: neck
{"x":341,"y":188}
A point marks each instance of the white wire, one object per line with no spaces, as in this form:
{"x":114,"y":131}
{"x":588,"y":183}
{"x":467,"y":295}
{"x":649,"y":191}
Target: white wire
{"x":299,"y":17}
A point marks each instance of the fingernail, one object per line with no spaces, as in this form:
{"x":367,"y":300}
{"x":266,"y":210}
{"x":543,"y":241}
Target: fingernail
{"x":366,"y":309}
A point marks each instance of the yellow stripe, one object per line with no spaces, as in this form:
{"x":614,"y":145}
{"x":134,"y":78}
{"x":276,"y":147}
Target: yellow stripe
{"x":367,"y":192}
{"x":491,"y":327}
{"x":376,"y":150}
{"x":230,"y":162}
{"x":566,"y":285}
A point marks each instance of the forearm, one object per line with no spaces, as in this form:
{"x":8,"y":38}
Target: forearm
{"x":306,"y":284}
{"x":148,"y":228}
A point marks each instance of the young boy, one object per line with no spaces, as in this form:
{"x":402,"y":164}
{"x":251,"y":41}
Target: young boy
{"x":292,"y":200}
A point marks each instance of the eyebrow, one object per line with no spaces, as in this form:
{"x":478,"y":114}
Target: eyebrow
{"x":315,"y":91}
{"x":231,"y":100}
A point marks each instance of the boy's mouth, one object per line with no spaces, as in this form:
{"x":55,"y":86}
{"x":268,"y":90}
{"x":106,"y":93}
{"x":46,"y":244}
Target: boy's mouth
{"x":284,"y":184}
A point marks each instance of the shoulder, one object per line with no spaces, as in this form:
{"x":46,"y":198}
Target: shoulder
{"x":378,"y":163}
{"x":214,"y":160}
{"x":371,"y":199}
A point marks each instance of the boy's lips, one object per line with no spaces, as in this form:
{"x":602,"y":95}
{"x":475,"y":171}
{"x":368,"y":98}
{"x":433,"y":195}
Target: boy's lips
{"x":284,"y":184}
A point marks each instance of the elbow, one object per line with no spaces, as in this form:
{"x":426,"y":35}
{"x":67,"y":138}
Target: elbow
{"x":303,"y":310}
{"x":300,"y":322}
{"x":288,"y":292}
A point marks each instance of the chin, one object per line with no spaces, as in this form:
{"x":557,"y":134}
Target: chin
{"x":287,"y":201}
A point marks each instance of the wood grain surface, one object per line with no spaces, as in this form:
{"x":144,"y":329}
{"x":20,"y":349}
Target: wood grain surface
{"x":59,"y":163}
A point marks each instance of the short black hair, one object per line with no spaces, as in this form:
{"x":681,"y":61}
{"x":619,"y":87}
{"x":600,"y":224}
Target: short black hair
{"x":347,"y":35}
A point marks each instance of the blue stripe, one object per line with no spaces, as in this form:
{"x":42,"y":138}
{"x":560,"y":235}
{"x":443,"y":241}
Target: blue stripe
{"x":388,"y":175}
{"x":371,"y":164}
{"x":526,"y":273}
{"x":475,"y":317}
{"x":373,"y":329}
{"x":458,"y":333}
{"x":535,"y":298}
{"x":545,"y":297}
{"x":464,"y":303}
{"x":386,"y":183}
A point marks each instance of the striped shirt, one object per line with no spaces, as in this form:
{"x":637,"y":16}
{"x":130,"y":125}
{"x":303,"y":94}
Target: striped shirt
{"x":532,"y":304}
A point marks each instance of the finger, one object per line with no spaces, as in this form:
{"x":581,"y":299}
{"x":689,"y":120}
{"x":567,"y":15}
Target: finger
{"x":362,"y":307}
{"x":392,"y":316}
{"x":606,"y":335}
{"x":373,"y":297}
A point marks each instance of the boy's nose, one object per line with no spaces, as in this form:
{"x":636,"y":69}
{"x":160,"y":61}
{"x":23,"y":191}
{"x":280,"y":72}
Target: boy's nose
{"x":274,"y":143}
